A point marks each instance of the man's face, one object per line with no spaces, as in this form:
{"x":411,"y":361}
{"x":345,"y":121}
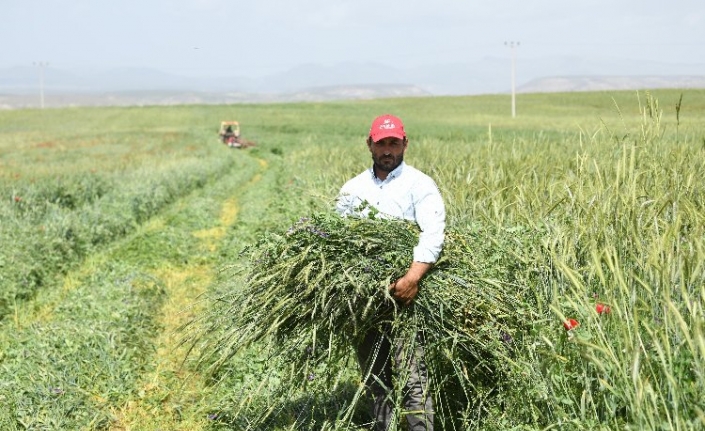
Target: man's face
{"x":387,"y":154}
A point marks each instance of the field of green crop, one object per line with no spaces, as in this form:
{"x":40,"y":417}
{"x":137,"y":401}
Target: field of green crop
{"x":120,"y":225}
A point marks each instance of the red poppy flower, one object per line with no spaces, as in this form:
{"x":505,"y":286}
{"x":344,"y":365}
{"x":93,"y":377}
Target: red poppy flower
{"x":17,"y":198}
{"x":570,"y":324}
{"x":602,"y":308}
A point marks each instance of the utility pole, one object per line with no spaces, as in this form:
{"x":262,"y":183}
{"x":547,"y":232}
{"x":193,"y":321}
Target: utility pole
{"x":41,"y":65}
{"x":512,"y":46}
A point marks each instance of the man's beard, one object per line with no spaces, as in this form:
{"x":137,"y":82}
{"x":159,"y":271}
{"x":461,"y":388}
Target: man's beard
{"x":387,"y":164}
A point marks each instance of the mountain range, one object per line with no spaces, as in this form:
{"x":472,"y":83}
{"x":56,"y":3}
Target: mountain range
{"x":20,"y":85}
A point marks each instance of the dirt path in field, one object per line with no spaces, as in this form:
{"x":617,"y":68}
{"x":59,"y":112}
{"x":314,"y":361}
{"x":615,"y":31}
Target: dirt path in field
{"x":170,"y":396}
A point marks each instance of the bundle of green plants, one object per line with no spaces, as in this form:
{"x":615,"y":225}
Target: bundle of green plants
{"x":312,"y":292}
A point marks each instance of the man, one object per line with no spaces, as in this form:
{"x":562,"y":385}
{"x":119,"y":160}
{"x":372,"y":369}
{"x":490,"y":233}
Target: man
{"x":397,"y":190}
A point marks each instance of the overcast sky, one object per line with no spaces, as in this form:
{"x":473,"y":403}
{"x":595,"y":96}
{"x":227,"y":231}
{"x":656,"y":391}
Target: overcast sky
{"x":222,"y":37}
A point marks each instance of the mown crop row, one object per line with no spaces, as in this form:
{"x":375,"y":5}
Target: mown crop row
{"x":48,"y":226}
{"x":84,"y":354}
{"x":66,"y":369}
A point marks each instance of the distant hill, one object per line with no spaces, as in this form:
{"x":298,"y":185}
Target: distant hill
{"x":176,"y":97}
{"x":606,"y":83}
{"x":19,"y":86}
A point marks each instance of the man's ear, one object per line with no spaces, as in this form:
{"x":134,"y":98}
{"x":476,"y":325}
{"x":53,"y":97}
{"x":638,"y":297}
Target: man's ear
{"x":369,"y":141}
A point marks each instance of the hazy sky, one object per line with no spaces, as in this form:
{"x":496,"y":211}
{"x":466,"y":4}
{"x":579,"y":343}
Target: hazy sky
{"x":223,"y":37}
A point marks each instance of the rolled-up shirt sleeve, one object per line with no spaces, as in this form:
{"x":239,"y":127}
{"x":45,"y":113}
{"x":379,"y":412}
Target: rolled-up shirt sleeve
{"x":431,"y":219}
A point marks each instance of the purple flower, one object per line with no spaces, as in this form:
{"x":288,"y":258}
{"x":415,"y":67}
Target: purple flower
{"x":212,"y":416}
{"x":315,"y":231}
{"x":311,"y":377}
{"x":296,"y":226}
{"x":507,"y":338}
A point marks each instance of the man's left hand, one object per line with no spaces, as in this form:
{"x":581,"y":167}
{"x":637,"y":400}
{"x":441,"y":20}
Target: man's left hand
{"x":406,"y":288}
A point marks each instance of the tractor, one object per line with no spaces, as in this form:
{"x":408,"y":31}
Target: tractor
{"x":230,"y":133}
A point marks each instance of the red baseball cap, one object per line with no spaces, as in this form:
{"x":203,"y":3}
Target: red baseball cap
{"x":386,"y":126}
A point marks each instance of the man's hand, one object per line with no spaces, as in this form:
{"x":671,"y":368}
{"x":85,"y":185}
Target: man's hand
{"x":406,"y":288}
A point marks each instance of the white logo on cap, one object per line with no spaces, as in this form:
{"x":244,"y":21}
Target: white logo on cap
{"x":388,"y":125}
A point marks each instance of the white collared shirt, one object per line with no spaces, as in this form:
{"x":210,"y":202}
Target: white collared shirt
{"x":407,"y":194}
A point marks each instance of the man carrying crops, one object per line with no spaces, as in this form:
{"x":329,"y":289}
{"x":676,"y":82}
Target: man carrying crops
{"x":397,"y":190}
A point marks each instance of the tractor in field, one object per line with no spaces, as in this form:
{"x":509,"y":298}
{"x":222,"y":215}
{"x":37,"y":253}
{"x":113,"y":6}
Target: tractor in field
{"x":230,"y":135}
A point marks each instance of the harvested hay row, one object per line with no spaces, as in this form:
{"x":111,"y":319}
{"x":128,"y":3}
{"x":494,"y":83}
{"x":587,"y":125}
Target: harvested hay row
{"x":313,"y":291}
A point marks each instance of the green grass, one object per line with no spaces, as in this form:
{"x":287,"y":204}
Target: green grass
{"x":111,"y":219}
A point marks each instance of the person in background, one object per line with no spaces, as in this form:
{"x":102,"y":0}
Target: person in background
{"x":397,"y":190}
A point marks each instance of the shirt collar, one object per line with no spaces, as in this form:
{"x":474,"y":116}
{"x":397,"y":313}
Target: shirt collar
{"x":394,"y":174}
